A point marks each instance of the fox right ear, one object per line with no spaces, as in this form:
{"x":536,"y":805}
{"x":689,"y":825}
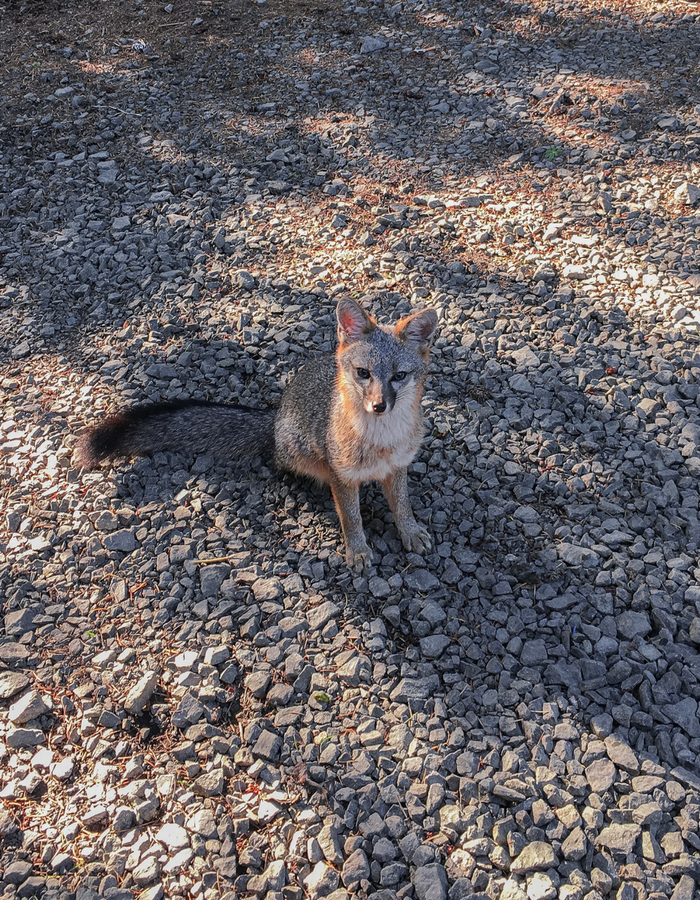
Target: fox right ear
{"x":353,"y":322}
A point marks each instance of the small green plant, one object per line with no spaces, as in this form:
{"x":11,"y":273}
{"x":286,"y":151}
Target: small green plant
{"x":553,"y":153}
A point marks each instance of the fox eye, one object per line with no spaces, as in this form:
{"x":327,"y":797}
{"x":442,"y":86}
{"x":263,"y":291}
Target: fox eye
{"x":363,"y":374}
{"x":400,"y":376}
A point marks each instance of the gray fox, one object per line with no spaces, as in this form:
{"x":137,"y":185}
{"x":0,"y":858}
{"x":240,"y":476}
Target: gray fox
{"x":344,"y":419}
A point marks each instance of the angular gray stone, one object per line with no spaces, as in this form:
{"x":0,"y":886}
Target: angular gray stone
{"x":622,"y":755}
{"x":329,"y":842}
{"x":600,"y":774}
{"x":683,"y":890}
{"x":267,"y":589}
{"x":685,"y":714}
{"x":25,"y":737}
{"x":434,"y":645}
{"x":275,"y":875}
{"x":421,"y":580}
{"x":647,"y":814}
{"x":537,"y":856}
{"x":29,"y":706}
{"x":210,"y":785}
{"x":372,"y":43}
{"x":602,"y":725}
{"x":138,"y":697}
{"x":619,"y":838}
{"x":574,"y":845}
{"x":430,"y":882}
{"x":355,"y":869}
{"x":9,"y":828}
{"x":321,"y":881}
{"x":291,"y":626}
{"x":20,"y":621}
{"x":373,"y":826}
{"x":146,"y":872}
{"x":95,"y":816}
{"x":212,"y":577}
{"x":631,"y":624}
{"x":384,"y":850}
{"x":694,"y":630}
{"x":686,"y":777}
{"x":189,"y":711}
{"x":17,"y":872}
{"x":280,"y":694}
{"x":11,"y":683}
{"x":415,"y":689}
{"x":258,"y":682}
{"x":352,"y":672}
{"x":533,"y":653}
{"x":123,"y":819}
{"x":687,"y":193}
{"x":379,"y":587}
{"x":243,"y":279}
{"x":173,"y":836}
{"x":203,"y":823}
{"x":574,"y":555}
{"x":321,"y":615}
{"x":268,"y":746}
{"x":124,"y":541}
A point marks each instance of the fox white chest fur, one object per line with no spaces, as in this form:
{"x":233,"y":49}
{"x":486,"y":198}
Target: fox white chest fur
{"x":382,"y":443}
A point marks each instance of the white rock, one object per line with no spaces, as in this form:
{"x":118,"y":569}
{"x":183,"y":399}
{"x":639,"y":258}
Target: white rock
{"x":173,"y":836}
{"x":29,"y":706}
{"x":687,"y":193}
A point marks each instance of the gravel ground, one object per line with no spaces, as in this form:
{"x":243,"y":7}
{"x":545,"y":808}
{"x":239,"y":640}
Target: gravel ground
{"x":197,"y":698}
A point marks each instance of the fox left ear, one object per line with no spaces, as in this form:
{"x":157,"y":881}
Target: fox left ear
{"x":353,"y":322}
{"x":417,"y":330}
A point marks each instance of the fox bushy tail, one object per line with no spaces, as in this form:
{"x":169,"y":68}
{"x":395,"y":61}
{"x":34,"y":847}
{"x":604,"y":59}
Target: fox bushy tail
{"x":235,"y":432}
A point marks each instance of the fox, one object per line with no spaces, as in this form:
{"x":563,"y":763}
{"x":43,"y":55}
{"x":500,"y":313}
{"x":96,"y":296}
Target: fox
{"x":345,"y":418}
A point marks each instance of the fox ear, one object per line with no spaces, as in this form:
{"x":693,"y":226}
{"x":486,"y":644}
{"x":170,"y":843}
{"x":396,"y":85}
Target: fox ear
{"x":417,"y":330}
{"x":353,"y":321}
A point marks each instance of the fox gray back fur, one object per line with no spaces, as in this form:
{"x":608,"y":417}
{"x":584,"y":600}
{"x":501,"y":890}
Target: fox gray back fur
{"x":344,"y":419}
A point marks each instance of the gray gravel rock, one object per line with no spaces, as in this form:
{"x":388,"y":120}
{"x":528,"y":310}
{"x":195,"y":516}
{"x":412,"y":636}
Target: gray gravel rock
{"x":29,"y":706}
{"x":139,"y":696}
{"x":11,"y":683}
{"x":430,"y":882}
{"x":355,"y":869}
{"x":535,"y":856}
{"x":619,"y":838}
{"x":321,"y":881}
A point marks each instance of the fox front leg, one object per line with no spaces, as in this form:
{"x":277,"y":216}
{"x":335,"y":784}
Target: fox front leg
{"x":347,"y":502}
{"x":415,"y":536}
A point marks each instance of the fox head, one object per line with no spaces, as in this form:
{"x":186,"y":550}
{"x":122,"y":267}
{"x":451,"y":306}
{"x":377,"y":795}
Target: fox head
{"x":382,"y":365}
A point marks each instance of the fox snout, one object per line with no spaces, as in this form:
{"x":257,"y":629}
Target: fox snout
{"x":379,"y":398}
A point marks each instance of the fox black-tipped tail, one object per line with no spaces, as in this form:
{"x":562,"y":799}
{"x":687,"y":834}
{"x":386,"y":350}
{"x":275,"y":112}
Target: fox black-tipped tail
{"x":233,"y":432}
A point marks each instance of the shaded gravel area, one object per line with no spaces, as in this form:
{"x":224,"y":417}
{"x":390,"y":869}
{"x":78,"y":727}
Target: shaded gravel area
{"x":197,"y":698}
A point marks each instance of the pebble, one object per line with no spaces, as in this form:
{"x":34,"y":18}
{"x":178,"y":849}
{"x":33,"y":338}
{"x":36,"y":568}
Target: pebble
{"x":535,"y":856}
{"x":619,"y":838}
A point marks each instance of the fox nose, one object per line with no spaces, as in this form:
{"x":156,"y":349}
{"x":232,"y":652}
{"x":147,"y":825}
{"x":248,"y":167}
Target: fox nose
{"x":379,"y":407}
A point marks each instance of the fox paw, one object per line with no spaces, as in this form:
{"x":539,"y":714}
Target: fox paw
{"x":417,"y":538}
{"x":358,"y":558}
